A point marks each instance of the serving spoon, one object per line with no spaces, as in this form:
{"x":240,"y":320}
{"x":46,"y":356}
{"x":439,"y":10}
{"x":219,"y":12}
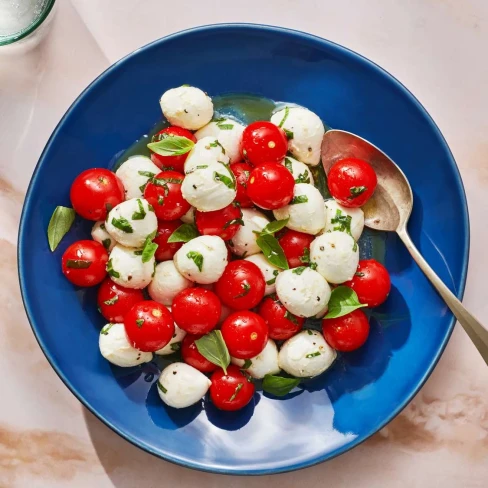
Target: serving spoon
{"x":389,"y":210}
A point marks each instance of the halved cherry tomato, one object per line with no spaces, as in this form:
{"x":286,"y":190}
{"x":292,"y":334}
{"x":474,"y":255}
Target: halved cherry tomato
{"x":95,"y":192}
{"x":296,"y":246}
{"x":192,"y":356}
{"x":84,"y":263}
{"x":348,"y":332}
{"x":223,"y":223}
{"x":231,"y":391}
{"x":166,"y":250}
{"x":281,"y":324}
{"x":114,"y":301}
{"x":263,"y":142}
{"x":241,"y":172}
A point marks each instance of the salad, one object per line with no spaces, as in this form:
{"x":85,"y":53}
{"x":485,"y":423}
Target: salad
{"x":216,"y":250}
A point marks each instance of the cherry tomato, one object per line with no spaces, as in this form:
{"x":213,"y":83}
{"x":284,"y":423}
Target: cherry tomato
{"x":371,"y":282}
{"x":281,"y":324}
{"x":263,"y":142}
{"x":241,"y":286}
{"x":241,"y":172}
{"x":95,"y":192}
{"x":270,"y":186}
{"x":351,"y":182}
{"x":149,"y":326}
{"x":192,"y":356}
{"x":164,"y":194}
{"x":84,"y":263}
{"x":296,"y":246}
{"x":172,"y":162}
{"x":165,"y":250}
{"x":223,"y":223}
{"x":245,"y":334}
{"x":348,"y":332}
{"x":231,"y":391}
{"x":196,"y":310}
{"x":114,"y":301}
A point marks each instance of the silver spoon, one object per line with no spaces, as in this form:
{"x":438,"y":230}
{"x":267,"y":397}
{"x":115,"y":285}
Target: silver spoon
{"x":389,"y":210}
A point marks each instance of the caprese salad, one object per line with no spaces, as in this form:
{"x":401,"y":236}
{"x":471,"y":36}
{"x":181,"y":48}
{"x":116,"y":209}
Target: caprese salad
{"x":217,"y":249}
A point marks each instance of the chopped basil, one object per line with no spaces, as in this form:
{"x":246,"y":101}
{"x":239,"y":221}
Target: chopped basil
{"x":246,"y":287}
{"x":359,"y":273}
{"x":289,"y":134}
{"x":309,"y":332}
{"x":78,"y":264}
{"x":138,"y":252}
{"x":184,"y":233}
{"x":61,"y":221}
{"x":279,"y":386}
{"x":102,"y":226}
{"x":112,"y":301}
{"x":274,"y":226}
{"x":106,"y":243}
{"x":197,"y":259}
{"x":356,"y":191}
{"x":233,"y":222}
{"x":247,"y":364}
{"x":160,"y":200}
{"x":273,"y":280}
{"x":303,"y":178}
{"x":289,"y":165}
{"x":141,"y":214}
{"x":283,"y":120}
{"x":343,"y":225}
{"x":122,"y":224}
{"x":236,"y":391}
{"x":171,"y":145}
{"x":289,"y":316}
{"x":225,"y":180}
{"x":217,"y":144}
{"x":105,"y":330}
{"x":272,"y":250}
{"x":313,"y":266}
{"x":111,"y":271}
{"x":299,"y":270}
{"x":222,"y":126}
{"x":162,"y":183}
{"x":202,"y":166}
{"x":305,"y":257}
{"x":143,"y":187}
{"x":139,"y":323}
{"x":320,"y":180}
{"x":148,"y":174}
{"x":299,"y":199}
{"x":176,"y":346}
{"x":212,"y":347}
{"x":149,"y":249}
{"x":162,"y":388}
{"x":312,"y":355}
{"x":150,"y":207}
{"x":343,"y":300}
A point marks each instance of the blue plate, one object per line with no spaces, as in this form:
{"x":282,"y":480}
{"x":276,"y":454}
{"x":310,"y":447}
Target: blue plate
{"x":363,"y":390}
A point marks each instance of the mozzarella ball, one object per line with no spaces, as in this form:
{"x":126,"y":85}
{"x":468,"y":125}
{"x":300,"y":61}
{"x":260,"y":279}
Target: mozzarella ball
{"x":174,"y":344}
{"x":303,"y":291}
{"x":307,"y":216}
{"x":336,"y":255}
{"x":187,"y":107}
{"x":209,"y":188}
{"x":202,"y":259}
{"x":228,"y":132}
{"x":308,"y":131}
{"x":269,"y":271}
{"x":134,"y":174}
{"x":131,"y":222}
{"x":99,"y":233}
{"x":180,"y":385}
{"x":127,"y":268}
{"x":334,"y":211}
{"x":306,"y":354}
{"x":115,"y":347}
{"x":206,"y":151}
{"x":300,"y":171}
{"x":266,"y":362}
{"x":189,"y":217}
{"x":167,"y":283}
{"x":244,"y":242}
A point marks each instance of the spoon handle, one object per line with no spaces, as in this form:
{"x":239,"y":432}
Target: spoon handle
{"x":476,"y":332}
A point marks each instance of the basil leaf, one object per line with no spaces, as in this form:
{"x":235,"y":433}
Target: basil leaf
{"x":122,"y":224}
{"x":176,"y":346}
{"x":149,"y":250}
{"x":356,"y":191}
{"x":105,"y":330}
{"x":309,"y":332}
{"x":272,"y":250}
{"x":184,"y":233}
{"x":141,"y":214}
{"x":343,"y":300}
{"x":289,"y":316}
{"x":273,"y":280}
{"x":289,"y":165}
{"x":61,"y":221}
{"x":138,"y":252}
{"x":299,"y":199}
{"x":274,"y":226}
{"x":343,"y":225}
{"x":313,"y":266}
{"x":162,"y":388}
{"x":106,"y":243}
{"x":216,"y":143}
{"x":148,"y":174}
{"x":233,"y":222}
{"x":305,"y":257}
{"x":236,"y":391}
{"x":313,"y":355}
{"x":139,"y":323}
{"x":279,"y":386}
{"x":247,"y":364}
{"x":303,"y":178}
{"x":78,"y":264}
{"x":112,"y":301}
{"x":212,"y":347}
{"x":225,"y":180}
{"x":289,"y":134}
{"x":225,"y":126}
{"x":171,"y":146}
{"x":197,"y":259}
{"x":111,"y":271}
{"x":299,"y":270}
{"x":246,"y":289}
{"x":283,"y":120}
{"x":320,"y":180}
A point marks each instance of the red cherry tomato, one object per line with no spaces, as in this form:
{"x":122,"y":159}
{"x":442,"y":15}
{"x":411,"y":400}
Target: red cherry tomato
{"x":84,"y":263}
{"x":270,"y":186}
{"x":172,"y":162}
{"x":351,"y":182}
{"x":245,"y":334}
{"x":231,"y":391}
{"x":95,"y":192}
{"x":281,"y":324}
{"x":241,"y":172}
{"x":114,"y":301}
{"x":192,"y":356}
{"x":296,"y":246}
{"x":149,"y":326}
{"x":164,"y":194}
{"x":223,"y":223}
{"x":371,"y":282}
{"x":263,"y":142}
{"x":196,"y":310}
{"x":165,"y":250}
{"x":348,"y":332}
{"x":241,"y":286}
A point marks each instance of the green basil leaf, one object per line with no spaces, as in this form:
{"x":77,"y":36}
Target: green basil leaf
{"x":122,"y":224}
{"x":61,"y":221}
{"x":141,"y":214}
{"x":148,"y":250}
{"x":78,"y":264}
{"x":313,"y":355}
{"x":236,"y":391}
{"x":305,"y":257}
{"x":299,"y":199}
{"x":313,"y":266}
{"x":356,"y":191}
{"x":112,"y":301}
{"x":233,"y":222}
{"x":274,"y":226}
{"x":289,"y":134}
{"x":161,"y":387}
{"x":213,"y":348}
{"x":246,"y":287}
{"x":197,"y":259}
{"x":111,"y":271}
{"x":272,"y":250}
{"x":225,"y":126}
{"x":216,"y":143}
{"x":289,"y":165}
{"x":106,"y":243}
{"x":289,"y":316}
{"x":320,"y":180}
{"x":105,"y":330}
{"x":184,"y":233}
{"x":343,"y":300}
{"x":148,"y":174}
{"x":303,"y":178}
{"x":299,"y":270}
{"x":247,"y":364}
{"x":283,"y":120}
{"x":225,"y":180}
{"x":273,"y":280}
{"x":176,"y":346}
{"x":171,"y":146}
{"x":279,"y":386}
{"x":139,"y":323}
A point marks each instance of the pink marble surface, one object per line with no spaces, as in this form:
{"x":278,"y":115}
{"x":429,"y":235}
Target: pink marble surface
{"x":437,"y":48}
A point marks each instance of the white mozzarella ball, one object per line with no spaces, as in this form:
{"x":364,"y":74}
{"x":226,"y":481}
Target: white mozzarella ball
{"x":244,"y":242}
{"x":167,"y":283}
{"x":131,"y":222}
{"x":335,"y":212}
{"x":306,"y":354}
{"x":187,"y":107}
{"x":266,"y":362}
{"x":269,"y":271}
{"x":202,"y":259}
{"x":99,"y":233}
{"x":308,"y":131}
{"x":180,"y":385}
{"x":228,"y":132}
{"x":336,"y":255}
{"x":189,"y":217}
{"x":303,"y":291}
{"x":206,"y":151}
{"x":134,"y":174}
{"x":209,"y":188}
{"x":300,"y":171}
{"x":127,"y":269}
{"x":306,"y":212}
{"x":174,"y":344}
{"x":115,"y":347}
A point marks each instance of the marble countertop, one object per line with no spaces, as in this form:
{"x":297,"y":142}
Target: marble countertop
{"x":437,"y":48}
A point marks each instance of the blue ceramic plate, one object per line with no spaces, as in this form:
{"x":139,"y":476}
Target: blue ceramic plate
{"x":363,"y":390}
